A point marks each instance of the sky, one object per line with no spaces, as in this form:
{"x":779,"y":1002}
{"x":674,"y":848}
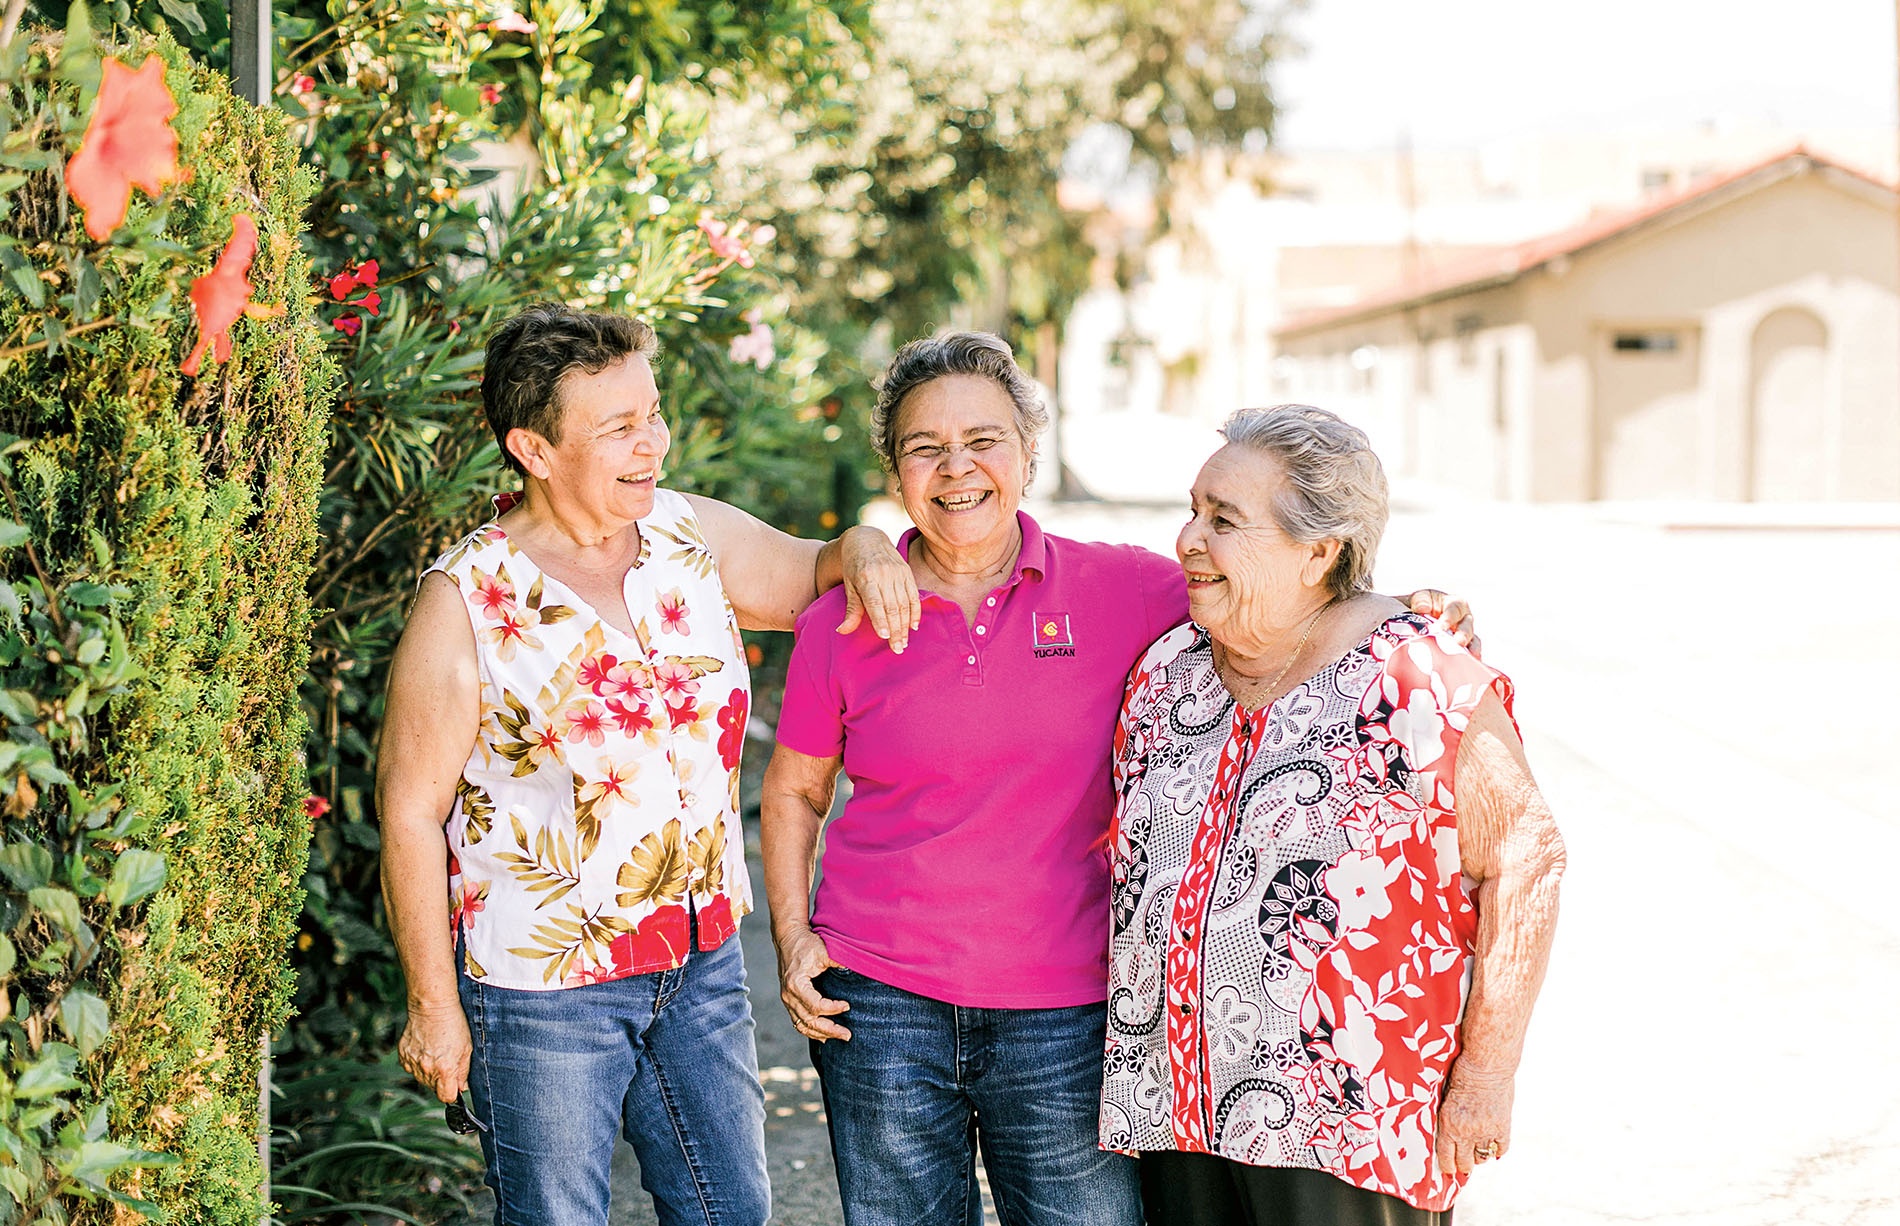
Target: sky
{"x":1460,"y":72}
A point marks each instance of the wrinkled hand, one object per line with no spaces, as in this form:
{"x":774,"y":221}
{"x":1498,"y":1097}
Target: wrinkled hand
{"x":801,"y":958}
{"x":1476,"y":1111}
{"x":435,"y":1049}
{"x":878,"y":584}
{"x":1452,"y":613}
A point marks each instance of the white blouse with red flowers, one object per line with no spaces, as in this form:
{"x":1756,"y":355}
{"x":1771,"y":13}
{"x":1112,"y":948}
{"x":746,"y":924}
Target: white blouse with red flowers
{"x":601,"y":800}
{"x":1292,"y":931}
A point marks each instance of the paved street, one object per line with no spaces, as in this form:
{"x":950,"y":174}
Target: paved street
{"x":1715,"y":1043}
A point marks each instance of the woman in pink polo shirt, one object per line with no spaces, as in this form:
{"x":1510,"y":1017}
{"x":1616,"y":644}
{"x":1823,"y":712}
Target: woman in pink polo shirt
{"x":953,"y":971}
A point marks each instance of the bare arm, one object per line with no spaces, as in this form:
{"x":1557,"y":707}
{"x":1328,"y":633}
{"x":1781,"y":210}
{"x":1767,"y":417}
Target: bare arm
{"x":798,"y":790}
{"x":431,"y":720}
{"x":1509,"y":843}
{"x":771,"y":576}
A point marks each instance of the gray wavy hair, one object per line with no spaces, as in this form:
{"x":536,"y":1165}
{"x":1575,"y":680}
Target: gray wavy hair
{"x":1335,"y":486}
{"x":983,"y":354}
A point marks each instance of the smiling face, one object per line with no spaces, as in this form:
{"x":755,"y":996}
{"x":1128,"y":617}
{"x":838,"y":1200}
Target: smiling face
{"x":1247,"y":579}
{"x":961,"y":464}
{"x":613,"y":441}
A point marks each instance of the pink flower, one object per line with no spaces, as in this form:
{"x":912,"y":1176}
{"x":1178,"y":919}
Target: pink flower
{"x":315,"y":807}
{"x":491,"y":94}
{"x":510,"y":22}
{"x":304,"y":83}
{"x":676,"y":683}
{"x":754,"y":346}
{"x":725,"y":246}
{"x":494,"y":595}
{"x":587,"y":724}
{"x":349,"y":325}
{"x":673,"y":611}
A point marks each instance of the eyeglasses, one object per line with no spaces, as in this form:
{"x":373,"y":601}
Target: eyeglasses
{"x":460,"y":1116}
{"x":931,"y":453}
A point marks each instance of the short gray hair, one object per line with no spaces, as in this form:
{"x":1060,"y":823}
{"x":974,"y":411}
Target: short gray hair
{"x":1335,"y":486}
{"x":983,"y":354}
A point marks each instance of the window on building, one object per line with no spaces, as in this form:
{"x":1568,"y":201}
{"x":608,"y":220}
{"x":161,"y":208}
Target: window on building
{"x":1658,"y":178}
{"x":1653,"y":340}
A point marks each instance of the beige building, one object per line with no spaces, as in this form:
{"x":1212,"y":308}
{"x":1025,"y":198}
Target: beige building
{"x":1737,"y":339}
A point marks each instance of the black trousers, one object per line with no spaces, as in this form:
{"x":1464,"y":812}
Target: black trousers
{"x":1201,"y":1190}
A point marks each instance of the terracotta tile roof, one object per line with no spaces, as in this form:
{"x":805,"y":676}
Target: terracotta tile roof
{"x":1507,"y":264}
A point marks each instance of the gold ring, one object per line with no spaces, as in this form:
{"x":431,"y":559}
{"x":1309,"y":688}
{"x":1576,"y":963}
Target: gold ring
{"x":1487,"y":1151}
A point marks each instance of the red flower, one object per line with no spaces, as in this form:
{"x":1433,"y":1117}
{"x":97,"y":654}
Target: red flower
{"x":315,"y":807}
{"x":369,"y":302}
{"x":222,"y":294}
{"x":367,"y":274}
{"x":129,"y":142}
{"x":683,"y":716}
{"x":631,"y":718}
{"x":732,"y":729}
{"x":491,"y":94}
{"x":342,"y":285}
{"x":349,"y":325}
{"x":304,"y":83}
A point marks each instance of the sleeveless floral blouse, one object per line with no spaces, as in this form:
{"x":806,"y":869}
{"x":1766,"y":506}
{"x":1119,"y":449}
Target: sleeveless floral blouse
{"x":600,"y":803}
{"x":1292,"y":932}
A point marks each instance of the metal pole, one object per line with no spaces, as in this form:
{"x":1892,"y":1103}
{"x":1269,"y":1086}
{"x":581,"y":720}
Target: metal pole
{"x":250,"y":49}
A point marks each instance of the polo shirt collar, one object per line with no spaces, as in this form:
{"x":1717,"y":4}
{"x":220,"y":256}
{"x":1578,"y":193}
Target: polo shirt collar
{"x":1031,"y":557}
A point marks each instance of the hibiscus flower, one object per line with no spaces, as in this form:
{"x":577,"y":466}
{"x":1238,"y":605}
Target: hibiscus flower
{"x":587,"y":724}
{"x":732,"y":719}
{"x":676,"y":683}
{"x":631,"y":719}
{"x":128,"y":143}
{"x":222,"y":294}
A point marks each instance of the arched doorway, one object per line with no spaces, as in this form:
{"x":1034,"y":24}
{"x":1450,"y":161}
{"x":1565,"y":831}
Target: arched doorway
{"x":1789,"y":408}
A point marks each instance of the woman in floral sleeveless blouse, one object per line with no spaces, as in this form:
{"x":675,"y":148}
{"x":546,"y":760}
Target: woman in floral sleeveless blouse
{"x":558,"y":785}
{"x":1335,"y":881}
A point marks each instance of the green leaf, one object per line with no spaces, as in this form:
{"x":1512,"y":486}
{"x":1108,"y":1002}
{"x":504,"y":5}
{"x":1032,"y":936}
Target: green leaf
{"x":84,"y":1018}
{"x":27,"y":865}
{"x":12,"y":534}
{"x":8,"y":956}
{"x":91,"y":651}
{"x":50,"y":1074}
{"x":78,"y":61}
{"x":462,"y":99}
{"x":62,"y":907}
{"x":137,"y":873}
{"x":90,"y":595}
{"x":184,"y":13}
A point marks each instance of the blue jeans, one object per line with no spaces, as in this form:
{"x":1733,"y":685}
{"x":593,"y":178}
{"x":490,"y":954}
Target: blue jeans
{"x":665,"y":1059}
{"x":920,"y":1084}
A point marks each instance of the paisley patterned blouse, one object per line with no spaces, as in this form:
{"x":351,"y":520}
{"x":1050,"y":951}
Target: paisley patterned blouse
{"x":600,"y":802}
{"x":1292,"y":932}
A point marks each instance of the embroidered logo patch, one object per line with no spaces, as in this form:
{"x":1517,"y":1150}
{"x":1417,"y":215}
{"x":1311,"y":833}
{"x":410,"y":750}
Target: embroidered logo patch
{"x":1053,"y":635}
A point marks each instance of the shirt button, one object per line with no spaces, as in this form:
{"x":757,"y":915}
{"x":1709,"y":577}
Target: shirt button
{"x":982,"y":629}
{"x":1187,"y":1007}
{"x":991,"y":600}
{"x":972,"y":660}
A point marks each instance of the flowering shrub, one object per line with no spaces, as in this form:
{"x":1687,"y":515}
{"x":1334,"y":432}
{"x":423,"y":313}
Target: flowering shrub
{"x":158,"y":477}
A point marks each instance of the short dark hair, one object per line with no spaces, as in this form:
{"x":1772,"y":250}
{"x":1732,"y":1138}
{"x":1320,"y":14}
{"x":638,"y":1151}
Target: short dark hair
{"x":983,"y":354}
{"x":529,"y":355}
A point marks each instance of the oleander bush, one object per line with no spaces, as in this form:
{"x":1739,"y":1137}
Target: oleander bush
{"x":156,"y":533}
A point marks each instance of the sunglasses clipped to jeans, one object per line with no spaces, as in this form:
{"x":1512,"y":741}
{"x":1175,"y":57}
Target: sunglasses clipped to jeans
{"x":460,"y":1115}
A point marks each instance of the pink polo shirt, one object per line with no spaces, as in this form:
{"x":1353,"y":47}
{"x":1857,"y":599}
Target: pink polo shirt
{"x":970,"y":864}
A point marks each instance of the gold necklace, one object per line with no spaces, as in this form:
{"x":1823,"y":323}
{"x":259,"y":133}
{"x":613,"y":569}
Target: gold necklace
{"x":1271,"y":686}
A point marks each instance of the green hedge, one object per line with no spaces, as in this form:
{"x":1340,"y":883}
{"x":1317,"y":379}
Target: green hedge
{"x":167,"y":527}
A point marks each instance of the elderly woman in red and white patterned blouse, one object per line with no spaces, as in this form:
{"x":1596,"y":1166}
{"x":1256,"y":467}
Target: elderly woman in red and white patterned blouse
{"x":1335,"y":880}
